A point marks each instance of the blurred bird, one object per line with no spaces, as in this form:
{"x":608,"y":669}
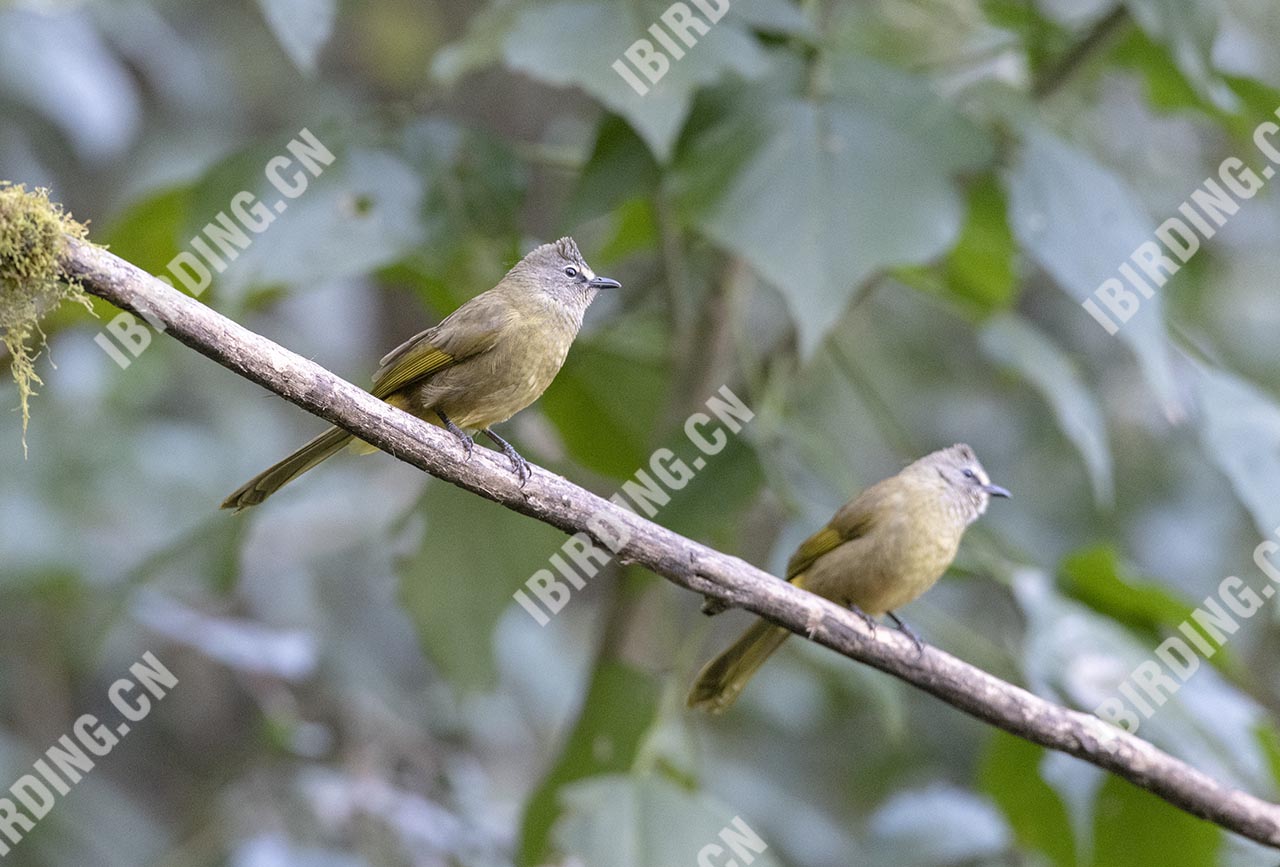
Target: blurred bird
{"x":881,"y":550}
{"x":489,"y":359}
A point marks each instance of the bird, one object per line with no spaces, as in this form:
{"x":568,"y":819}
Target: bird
{"x":880,"y":551}
{"x":489,"y":359}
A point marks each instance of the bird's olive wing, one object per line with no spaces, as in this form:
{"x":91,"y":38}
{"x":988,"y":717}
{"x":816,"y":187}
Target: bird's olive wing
{"x":811,"y":549}
{"x":469,"y":331}
{"x":851,"y":522}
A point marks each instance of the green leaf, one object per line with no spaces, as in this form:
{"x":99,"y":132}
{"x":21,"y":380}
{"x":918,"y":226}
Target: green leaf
{"x":1167,"y":88}
{"x":473,"y":556}
{"x":147,"y":233}
{"x":1013,"y":341}
{"x":620,"y":169}
{"x":980,"y":268}
{"x":1080,"y":222}
{"x":1240,"y":431}
{"x":574,"y":43}
{"x":1096,"y":577}
{"x":604,"y":400}
{"x":1250,"y":31}
{"x":1010,"y":775}
{"x":618,"y":709}
{"x":362,"y":212}
{"x":1079,"y":658}
{"x":819,"y":193}
{"x":1133,"y":826}
{"x":709,"y":508}
{"x":648,"y":821}
{"x":1188,"y":29}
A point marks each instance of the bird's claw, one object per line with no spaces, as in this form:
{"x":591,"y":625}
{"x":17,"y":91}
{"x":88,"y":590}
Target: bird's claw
{"x":909,"y":632}
{"x":468,"y":444}
{"x":524,"y":472}
{"x":523,"y":469}
{"x":866,"y":618}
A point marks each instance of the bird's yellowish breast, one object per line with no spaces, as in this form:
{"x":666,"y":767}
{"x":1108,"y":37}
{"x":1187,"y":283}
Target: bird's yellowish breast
{"x":911,"y":543}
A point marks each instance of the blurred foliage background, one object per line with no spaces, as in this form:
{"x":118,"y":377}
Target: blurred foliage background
{"x":873,"y":220}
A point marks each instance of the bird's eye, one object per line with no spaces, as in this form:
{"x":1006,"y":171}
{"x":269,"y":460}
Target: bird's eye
{"x":969,"y":474}
{"x":571,"y":271}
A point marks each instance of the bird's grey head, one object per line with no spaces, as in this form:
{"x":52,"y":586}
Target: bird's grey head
{"x":964,"y":476}
{"x":559,"y":270}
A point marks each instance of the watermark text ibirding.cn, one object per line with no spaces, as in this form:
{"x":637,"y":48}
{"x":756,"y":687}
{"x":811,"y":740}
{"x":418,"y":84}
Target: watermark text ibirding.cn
{"x":738,"y":846}
{"x":1154,"y":681}
{"x":231,"y":231}
{"x":647,"y":491}
{"x":1177,"y":239}
{"x":684,"y":25}
{"x":65,"y":763}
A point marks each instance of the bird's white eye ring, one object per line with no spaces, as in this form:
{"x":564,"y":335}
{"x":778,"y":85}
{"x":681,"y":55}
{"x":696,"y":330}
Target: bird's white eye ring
{"x":571,"y":271}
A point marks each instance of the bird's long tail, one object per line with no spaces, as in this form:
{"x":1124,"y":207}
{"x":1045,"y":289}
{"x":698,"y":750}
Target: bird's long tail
{"x":272,"y":479}
{"x":722,"y":679}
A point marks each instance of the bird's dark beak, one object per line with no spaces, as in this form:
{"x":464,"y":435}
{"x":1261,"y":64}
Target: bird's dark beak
{"x":997,"y":491}
{"x":604,"y":283}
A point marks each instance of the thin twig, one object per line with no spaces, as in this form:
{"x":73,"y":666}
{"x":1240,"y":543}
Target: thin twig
{"x":696,"y":567}
{"x":1066,"y":66}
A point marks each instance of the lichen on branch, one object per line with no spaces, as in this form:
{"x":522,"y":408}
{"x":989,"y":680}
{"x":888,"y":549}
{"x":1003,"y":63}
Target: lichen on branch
{"x":33,"y":232}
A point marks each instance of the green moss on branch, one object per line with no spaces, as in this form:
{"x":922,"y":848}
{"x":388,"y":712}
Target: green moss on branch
{"x":32,"y":234}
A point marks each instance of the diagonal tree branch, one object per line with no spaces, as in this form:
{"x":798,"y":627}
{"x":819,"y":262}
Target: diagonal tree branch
{"x":556,"y":501}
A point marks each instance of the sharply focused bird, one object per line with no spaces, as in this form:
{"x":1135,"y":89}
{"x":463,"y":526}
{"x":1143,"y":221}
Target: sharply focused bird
{"x":489,"y":359}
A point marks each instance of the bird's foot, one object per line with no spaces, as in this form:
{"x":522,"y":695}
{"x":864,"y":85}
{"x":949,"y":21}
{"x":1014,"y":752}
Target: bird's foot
{"x":468,"y":444}
{"x":522,"y":468}
{"x":907,"y":631}
{"x":866,"y":618}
